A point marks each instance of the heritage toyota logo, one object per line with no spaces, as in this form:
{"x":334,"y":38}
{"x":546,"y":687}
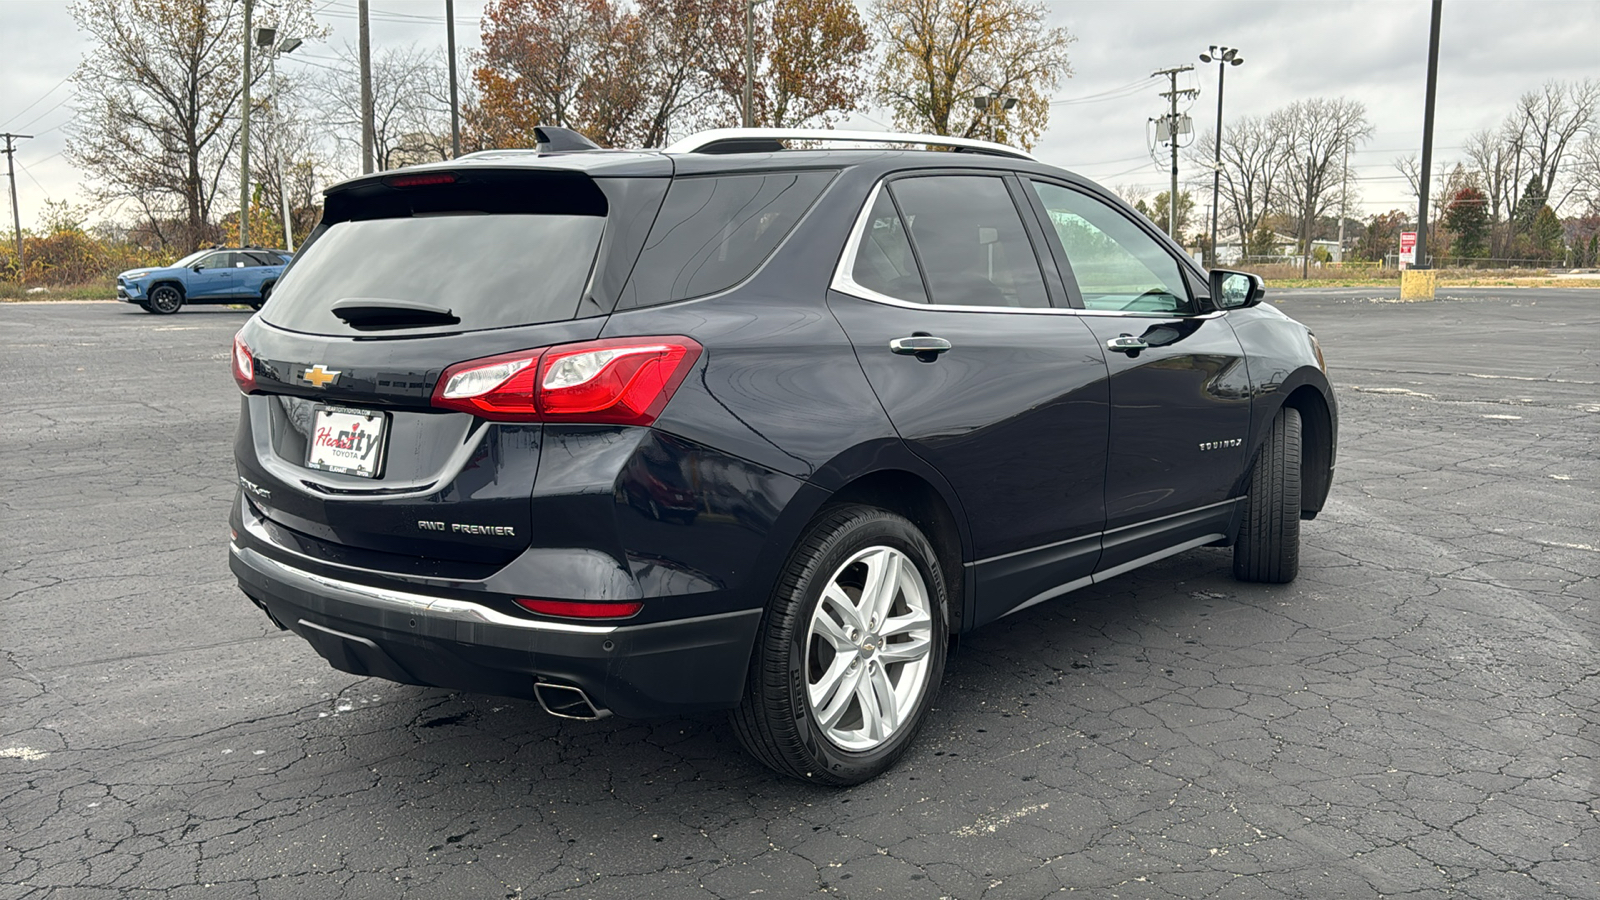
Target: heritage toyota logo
{"x":318,"y":377}
{"x":1219,"y":445}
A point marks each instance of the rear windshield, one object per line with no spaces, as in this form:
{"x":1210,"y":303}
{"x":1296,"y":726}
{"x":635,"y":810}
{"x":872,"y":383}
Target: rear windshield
{"x":489,"y":271}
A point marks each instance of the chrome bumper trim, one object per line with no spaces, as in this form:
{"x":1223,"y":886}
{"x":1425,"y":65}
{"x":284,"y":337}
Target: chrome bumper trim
{"x":404,"y":601}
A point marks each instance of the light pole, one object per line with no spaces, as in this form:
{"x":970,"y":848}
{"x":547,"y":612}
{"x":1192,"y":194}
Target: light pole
{"x":750,"y":61}
{"x":1223,"y":57}
{"x":988,"y":103}
{"x":267,"y":40}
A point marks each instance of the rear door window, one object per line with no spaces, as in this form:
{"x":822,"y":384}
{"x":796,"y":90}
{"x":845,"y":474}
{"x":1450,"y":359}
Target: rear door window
{"x":715,"y":231}
{"x":488,"y":270}
{"x":971,"y":242}
{"x":884,"y":262}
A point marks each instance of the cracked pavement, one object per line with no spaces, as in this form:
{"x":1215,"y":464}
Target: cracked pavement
{"x":1417,"y":716}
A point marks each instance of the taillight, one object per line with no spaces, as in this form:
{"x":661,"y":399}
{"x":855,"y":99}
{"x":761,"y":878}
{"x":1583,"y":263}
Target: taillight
{"x":625,"y":381}
{"x":496,"y":387}
{"x":244,"y":365}
{"x":582,"y":609}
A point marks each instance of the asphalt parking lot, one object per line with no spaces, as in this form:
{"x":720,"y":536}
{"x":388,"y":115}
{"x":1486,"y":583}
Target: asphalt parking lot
{"x":1418,"y":715}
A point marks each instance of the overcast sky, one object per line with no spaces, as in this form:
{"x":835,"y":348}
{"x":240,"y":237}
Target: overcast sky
{"x":1374,"y":52}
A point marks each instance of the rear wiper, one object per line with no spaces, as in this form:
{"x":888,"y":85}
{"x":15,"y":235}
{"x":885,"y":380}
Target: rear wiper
{"x":369,"y":312}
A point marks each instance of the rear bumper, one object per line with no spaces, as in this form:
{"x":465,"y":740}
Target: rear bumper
{"x":636,"y":671}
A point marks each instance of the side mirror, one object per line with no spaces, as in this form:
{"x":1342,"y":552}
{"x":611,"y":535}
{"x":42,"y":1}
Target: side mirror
{"x":198,"y":267}
{"x":1236,"y":290}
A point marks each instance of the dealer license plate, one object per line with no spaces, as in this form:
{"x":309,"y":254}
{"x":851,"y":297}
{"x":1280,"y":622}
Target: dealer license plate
{"x":348,"y":441}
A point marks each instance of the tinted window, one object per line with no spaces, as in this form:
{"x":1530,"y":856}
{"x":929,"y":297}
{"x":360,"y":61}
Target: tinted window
{"x":260,"y":259}
{"x":490,"y":271}
{"x":970,"y":241}
{"x":1117,"y":264}
{"x":713,"y":232}
{"x":884,"y":262}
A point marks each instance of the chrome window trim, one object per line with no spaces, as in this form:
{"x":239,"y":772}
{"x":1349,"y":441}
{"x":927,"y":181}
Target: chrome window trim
{"x":844,"y":282}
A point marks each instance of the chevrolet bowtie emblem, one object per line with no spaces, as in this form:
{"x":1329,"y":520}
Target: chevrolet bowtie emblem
{"x":317,"y":376}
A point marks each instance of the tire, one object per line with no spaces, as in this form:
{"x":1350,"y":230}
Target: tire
{"x":165,"y":300}
{"x":825,"y":716}
{"x":1268,"y":548}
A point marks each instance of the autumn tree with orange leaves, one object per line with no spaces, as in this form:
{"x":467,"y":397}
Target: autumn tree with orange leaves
{"x":941,"y":54}
{"x":638,"y":75}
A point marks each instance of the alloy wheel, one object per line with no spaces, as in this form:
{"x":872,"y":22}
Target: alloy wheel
{"x":867,"y":648}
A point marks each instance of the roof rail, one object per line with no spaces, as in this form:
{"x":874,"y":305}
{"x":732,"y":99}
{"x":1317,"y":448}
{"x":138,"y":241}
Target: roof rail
{"x":748,"y":140}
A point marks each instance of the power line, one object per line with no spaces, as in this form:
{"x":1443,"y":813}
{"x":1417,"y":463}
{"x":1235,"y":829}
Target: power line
{"x":41,"y":99}
{"x":1116,"y":93}
{"x":64,"y":101}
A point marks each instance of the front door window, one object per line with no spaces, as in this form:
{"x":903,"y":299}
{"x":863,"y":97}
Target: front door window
{"x":1118,"y":265}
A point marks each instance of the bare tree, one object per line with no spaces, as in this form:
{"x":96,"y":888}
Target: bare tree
{"x":1587,"y":172}
{"x":1547,"y":121}
{"x":410,"y":109}
{"x":158,"y":106}
{"x":1253,"y":154}
{"x":942,"y":54}
{"x":291,"y":144}
{"x":1318,"y":132}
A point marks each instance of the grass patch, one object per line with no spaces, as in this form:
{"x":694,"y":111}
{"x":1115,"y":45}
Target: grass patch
{"x":1282,"y":276}
{"x":10,"y":292}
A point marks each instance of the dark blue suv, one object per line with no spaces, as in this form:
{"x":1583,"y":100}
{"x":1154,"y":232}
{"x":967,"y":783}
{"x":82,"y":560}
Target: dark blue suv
{"x":215,"y":275}
{"x":744,"y":426}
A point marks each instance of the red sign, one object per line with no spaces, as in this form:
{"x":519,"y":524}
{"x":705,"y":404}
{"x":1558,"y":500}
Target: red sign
{"x":1408,"y":246}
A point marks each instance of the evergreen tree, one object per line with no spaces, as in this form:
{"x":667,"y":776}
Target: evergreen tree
{"x":1547,"y":235}
{"x":1528,"y":206}
{"x":1467,"y":217}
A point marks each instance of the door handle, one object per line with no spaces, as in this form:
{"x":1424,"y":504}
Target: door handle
{"x":925,"y":347}
{"x":1127,"y":343}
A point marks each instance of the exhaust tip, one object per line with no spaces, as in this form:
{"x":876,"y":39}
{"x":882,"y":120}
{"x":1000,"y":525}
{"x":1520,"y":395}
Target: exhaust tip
{"x":565,"y":701}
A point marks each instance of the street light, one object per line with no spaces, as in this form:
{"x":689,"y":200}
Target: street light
{"x":267,"y":39}
{"x":988,"y":103}
{"x":1224,"y":57}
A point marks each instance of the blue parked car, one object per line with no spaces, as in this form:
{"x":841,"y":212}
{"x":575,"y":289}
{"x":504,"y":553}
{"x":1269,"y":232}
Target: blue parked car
{"x":213,"y":275}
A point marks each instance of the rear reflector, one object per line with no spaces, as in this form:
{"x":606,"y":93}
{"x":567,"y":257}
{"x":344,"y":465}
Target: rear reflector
{"x":420,"y":180}
{"x":579,"y":609}
{"x":623,"y":381}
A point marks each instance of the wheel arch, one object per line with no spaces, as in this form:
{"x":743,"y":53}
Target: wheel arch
{"x":885,"y":473}
{"x":912,"y":496}
{"x":1317,"y":446}
{"x":169,"y":282}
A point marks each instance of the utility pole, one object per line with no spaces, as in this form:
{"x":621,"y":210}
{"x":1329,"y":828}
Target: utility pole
{"x":749,"y":62}
{"x":1344,"y":198}
{"x":455,"y":106}
{"x":1171,"y":124}
{"x":1423,"y":261}
{"x":244,"y":131}
{"x":366,"y":90}
{"x":16,"y":217}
